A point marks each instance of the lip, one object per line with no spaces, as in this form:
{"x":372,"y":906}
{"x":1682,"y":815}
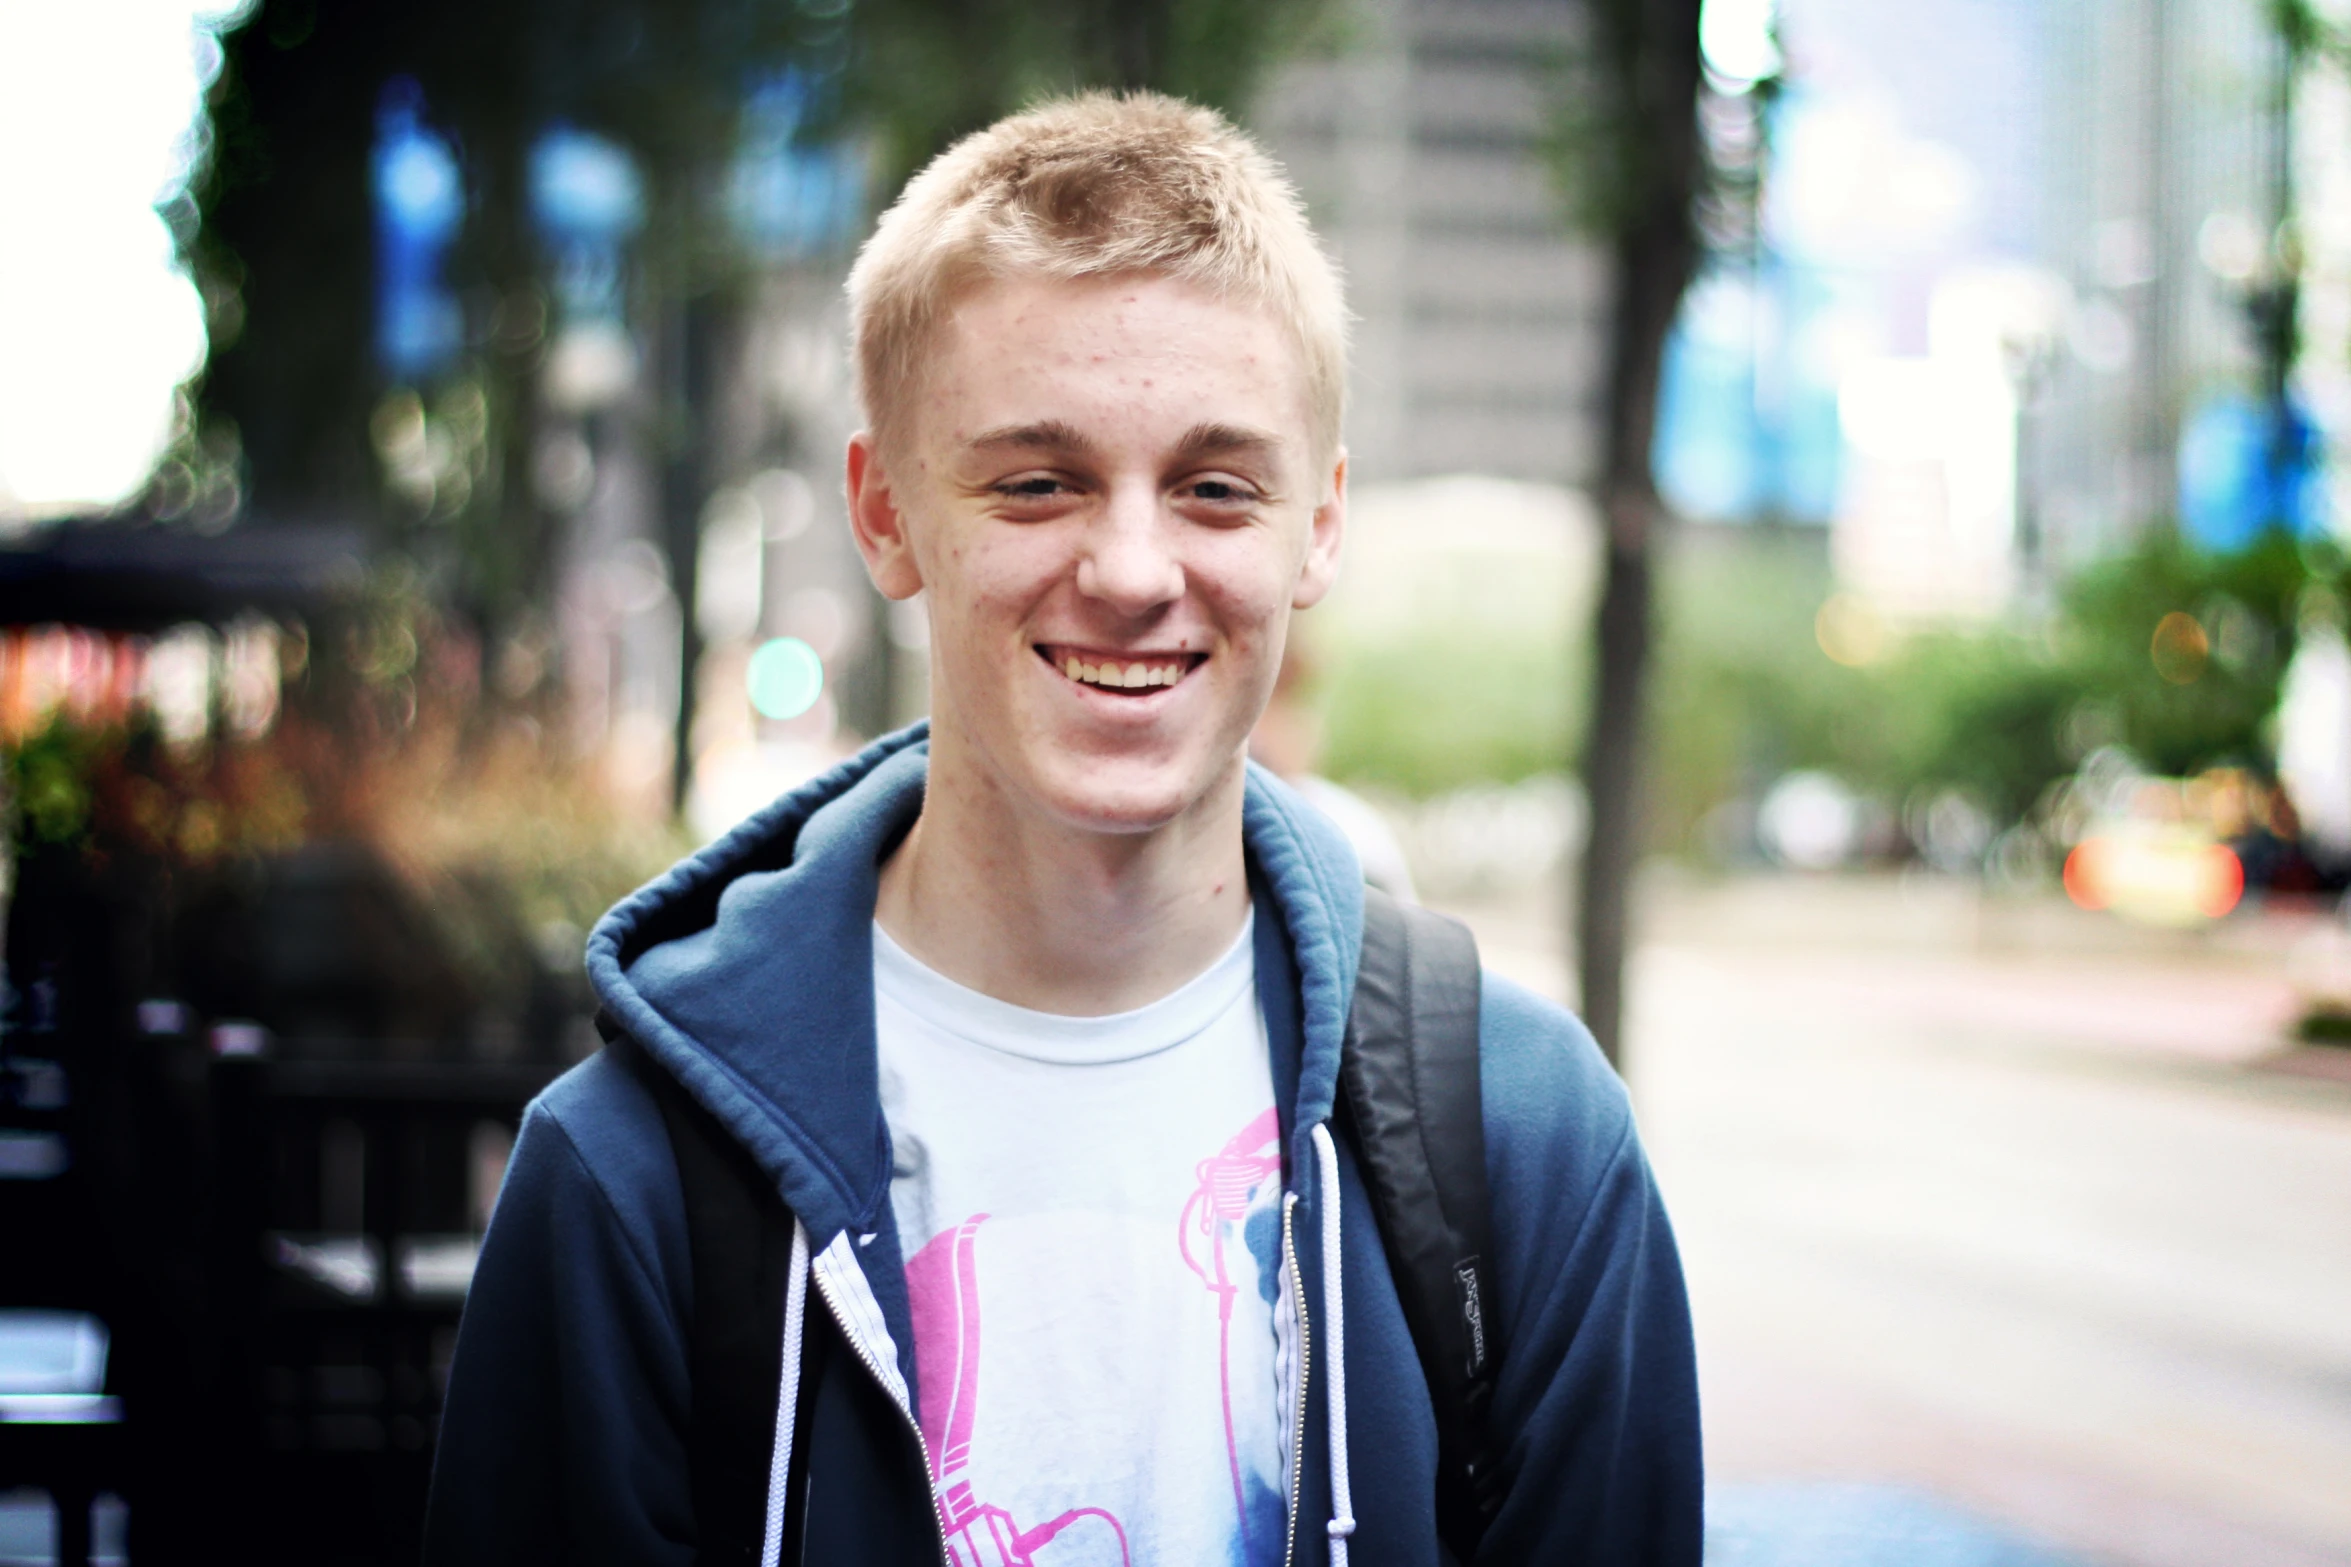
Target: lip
{"x":1053,"y":654}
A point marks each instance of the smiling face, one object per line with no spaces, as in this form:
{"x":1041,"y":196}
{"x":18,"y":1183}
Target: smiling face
{"x":1109,"y":491}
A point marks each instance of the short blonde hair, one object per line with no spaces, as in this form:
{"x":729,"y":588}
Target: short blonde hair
{"x":1091,"y":186}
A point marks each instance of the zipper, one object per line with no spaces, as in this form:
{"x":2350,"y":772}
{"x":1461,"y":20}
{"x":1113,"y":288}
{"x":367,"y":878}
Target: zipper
{"x":873,"y":1368}
{"x":1297,"y":1403}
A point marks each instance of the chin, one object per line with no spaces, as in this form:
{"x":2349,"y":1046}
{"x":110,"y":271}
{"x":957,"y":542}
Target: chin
{"x":1119,"y":795}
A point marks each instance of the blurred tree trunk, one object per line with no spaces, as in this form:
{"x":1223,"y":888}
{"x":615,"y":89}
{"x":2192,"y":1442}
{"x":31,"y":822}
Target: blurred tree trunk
{"x":282,"y":252}
{"x":689,"y":341}
{"x":510,"y":554}
{"x":1646,"y":58}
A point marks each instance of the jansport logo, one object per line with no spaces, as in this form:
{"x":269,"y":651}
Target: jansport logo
{"x":1473,"y":1311}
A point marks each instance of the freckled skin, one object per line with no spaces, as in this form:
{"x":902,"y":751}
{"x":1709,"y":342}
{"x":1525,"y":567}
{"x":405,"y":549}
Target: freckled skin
{"x":1159,"y":491}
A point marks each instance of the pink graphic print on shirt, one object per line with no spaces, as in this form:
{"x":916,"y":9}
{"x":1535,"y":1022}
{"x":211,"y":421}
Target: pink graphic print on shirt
{"x":1218,"y":1210}
{"x":943,"y":1292}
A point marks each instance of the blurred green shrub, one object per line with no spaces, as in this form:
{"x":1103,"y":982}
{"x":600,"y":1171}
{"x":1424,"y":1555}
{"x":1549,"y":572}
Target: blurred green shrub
{"x":45,"y":787}
{"x":1984,"y":712}
{"x":1453,"y":651}
{"x":2183,"y":707}
{"x":1741,"y":692}
{"x":380,"y":735}
{"x":2173,"y":653}
{"x":1443,"y":706}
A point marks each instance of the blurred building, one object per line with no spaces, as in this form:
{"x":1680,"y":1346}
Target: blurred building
{"x":2005,"y":311}
{"x":1419,"y":145}
{"x":2162,"y":182}
{"x":2033,"y":368}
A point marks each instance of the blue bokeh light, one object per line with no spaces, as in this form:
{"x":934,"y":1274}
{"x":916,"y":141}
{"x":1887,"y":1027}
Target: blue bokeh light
{"x":419,"y":205}
{"x":792,"y":198}
{"x":2247,"y":467}
{"x":785,"y":678}
{"x":585,"y":189}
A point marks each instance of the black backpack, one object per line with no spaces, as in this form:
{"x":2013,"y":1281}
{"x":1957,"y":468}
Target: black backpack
{"x":1410,"y":1098}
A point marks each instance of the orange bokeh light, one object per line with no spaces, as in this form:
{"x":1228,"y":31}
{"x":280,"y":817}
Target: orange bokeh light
{"x":2084,"y":882}
{"x":2223,"y":881}
{"x":2158,"y":878}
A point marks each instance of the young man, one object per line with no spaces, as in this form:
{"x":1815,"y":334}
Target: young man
{"x":1032,"y":1018}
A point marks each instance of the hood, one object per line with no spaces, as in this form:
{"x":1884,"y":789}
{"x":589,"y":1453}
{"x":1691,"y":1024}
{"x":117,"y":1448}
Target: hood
{"x":747,"y":971}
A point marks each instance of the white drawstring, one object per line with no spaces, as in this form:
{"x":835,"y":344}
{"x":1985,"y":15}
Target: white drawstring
{"x":1334,"y":1310}
{"x":1334,"y":1304}
{"x":779,"y":1461}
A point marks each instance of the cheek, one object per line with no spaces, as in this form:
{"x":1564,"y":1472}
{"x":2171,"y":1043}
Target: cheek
{"x":995,"y":575}
{"x":1250,"y":579}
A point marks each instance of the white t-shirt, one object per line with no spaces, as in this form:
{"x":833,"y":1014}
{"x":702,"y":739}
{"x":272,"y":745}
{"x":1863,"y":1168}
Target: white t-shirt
{"x":1090,"y":1208}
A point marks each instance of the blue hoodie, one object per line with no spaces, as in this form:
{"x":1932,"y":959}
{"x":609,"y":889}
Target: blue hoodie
{"x":747,"y":973}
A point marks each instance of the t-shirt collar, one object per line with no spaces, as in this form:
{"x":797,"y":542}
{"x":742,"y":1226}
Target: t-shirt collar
{"x":1050,"y":1037}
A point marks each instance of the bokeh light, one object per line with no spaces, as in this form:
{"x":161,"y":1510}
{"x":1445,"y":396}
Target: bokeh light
{"x":2180,"y":648}
{"x":785,"y":679}
{"x":2155,"y":878}
{"x":1739,"y":40}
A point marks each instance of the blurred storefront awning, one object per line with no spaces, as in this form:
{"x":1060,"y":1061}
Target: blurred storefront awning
{"x":120,"y":576}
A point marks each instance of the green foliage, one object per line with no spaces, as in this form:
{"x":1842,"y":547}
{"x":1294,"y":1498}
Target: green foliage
{"x":924,"y":72}
{"x":102,"y":787}
{"x":1744,"y":692}
{"x":2305,"y":33}
{"x":46,"y":778}
{"x":1444,"y":706}
{"x":1741,"y":691}
{"x":1984,"y":713}
{"x":2245,"y":605}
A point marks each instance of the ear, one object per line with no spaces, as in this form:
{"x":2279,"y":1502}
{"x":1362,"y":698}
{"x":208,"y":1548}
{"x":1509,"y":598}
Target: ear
{"x":878,"y":524}
{"x":1321,"y":567}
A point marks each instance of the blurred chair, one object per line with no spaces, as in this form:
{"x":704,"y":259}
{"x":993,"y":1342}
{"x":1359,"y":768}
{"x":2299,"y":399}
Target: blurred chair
{"x":60,"y":1431}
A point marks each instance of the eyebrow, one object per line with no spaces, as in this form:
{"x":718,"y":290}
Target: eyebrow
{"x":1059,"y":436}
{"x":1044,"y":435}
{"x":1202,"y":439}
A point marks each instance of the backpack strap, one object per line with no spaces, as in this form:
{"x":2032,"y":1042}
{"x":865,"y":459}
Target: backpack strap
{"x":739,"y":1234}
{"x":1409,"y":1077}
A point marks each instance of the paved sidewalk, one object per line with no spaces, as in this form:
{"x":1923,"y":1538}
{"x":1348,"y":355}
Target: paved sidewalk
{"x":1831,"y":1524}
{"x":2025,"y":1230}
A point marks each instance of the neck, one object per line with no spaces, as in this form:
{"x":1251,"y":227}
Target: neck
{"x":1057,"y":918}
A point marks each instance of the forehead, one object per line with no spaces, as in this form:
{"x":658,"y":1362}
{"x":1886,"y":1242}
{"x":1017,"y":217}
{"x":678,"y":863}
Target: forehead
{"x":1123,"y":355}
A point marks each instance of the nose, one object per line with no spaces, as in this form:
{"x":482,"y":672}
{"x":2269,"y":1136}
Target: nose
{"x":1130,"y":563}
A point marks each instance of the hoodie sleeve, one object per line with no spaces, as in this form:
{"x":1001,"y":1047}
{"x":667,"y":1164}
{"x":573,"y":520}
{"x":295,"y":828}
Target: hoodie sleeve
{"x":1596,"y":1407}
{"x":562,"y":1433}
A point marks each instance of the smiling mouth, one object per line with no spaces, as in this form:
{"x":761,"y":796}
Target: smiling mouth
{"x":1134,"y":674}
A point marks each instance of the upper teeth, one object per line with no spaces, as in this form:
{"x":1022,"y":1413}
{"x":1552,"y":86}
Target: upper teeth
{"x":1127,"y":676}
